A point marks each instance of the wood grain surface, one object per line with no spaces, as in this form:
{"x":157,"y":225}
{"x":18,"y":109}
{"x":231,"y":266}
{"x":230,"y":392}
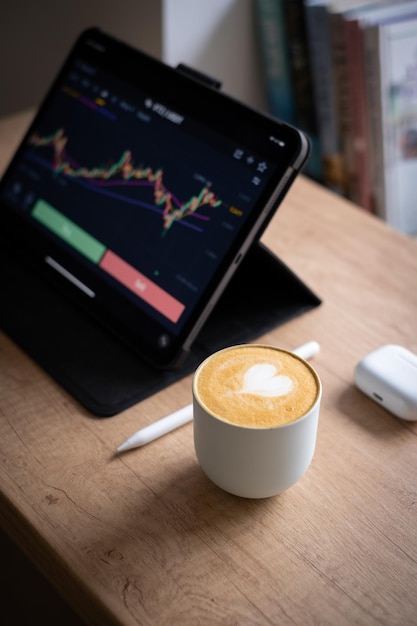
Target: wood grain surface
{"x":146,"y":538}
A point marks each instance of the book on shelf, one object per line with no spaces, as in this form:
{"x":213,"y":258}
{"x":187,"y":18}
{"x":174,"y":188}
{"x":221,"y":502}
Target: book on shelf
{"x":286,"y":60}
{"x":391,"y":77}
{"x":273,"y":47}
{"x":318,"y":29}
{"x":359,"y":182}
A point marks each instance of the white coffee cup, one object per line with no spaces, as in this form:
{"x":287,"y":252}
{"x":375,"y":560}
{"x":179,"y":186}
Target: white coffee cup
{"x":255,"y":430}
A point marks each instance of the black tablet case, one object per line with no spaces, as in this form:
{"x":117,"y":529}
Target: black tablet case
{"x":102,"y":372}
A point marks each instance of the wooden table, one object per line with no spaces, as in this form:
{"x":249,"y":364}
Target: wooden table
{"x":145,"y":538}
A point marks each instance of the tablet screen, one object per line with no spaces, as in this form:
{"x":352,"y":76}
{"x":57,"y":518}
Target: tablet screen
{"x":137,"y":193}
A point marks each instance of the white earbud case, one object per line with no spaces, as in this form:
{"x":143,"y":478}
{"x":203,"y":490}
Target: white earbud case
{"x":389,"y":376}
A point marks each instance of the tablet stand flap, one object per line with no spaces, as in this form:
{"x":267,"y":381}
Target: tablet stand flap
{"x":101,"y":372}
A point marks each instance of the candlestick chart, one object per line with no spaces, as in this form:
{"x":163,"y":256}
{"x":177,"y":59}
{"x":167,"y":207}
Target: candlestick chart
{"x":124,"y":172}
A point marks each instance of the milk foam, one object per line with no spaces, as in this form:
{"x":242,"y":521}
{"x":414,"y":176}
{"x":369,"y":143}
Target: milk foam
{"x":256,"y":386}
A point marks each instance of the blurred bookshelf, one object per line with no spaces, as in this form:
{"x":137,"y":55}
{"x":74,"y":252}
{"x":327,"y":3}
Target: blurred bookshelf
{"x":345,"y":72}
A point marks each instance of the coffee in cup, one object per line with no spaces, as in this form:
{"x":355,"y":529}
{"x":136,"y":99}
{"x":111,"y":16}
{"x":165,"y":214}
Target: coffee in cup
{"x":256,"y":411}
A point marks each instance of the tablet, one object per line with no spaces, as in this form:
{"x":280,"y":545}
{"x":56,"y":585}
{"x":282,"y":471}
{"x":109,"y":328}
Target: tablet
{"x":139,"y":188}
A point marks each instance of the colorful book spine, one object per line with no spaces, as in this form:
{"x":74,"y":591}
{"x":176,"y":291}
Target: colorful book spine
{"x":372,"y":70}
{"x":301,"y":80}
{"x":343,"y":110}
{"x":359,"y":183}
{"x":318,"y":29}
{"x":274,"y":51}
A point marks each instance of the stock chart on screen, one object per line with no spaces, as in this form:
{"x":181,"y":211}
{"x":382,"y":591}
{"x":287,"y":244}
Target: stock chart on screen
{"x":134,"y":187}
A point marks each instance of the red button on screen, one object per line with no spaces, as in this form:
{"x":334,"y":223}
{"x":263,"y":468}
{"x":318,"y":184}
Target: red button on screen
{"x":140,"y":285}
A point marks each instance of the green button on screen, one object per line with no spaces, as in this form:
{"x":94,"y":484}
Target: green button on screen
{"x":68,"y":231}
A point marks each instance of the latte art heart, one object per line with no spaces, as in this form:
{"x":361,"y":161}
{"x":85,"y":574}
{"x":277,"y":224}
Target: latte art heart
{"x":262,"y":380}
{"x":256,"y":386}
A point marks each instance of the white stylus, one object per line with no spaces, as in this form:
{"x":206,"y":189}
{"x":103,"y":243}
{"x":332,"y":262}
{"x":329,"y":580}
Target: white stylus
{"x":184,"y":415}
